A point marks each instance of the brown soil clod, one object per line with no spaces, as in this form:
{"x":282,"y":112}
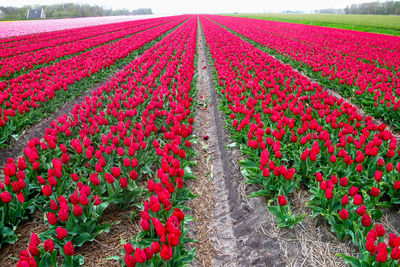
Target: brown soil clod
{"x":33,"y":224}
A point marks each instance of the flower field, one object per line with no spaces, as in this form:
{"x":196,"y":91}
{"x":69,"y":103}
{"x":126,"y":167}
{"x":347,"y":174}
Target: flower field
{"x":131,"y":144}
{"x":22,"y":96}
{"x":292,"y":131}
{"x":13,"y":29}
{"x":51,"y":47}
{"x":362,"y":66}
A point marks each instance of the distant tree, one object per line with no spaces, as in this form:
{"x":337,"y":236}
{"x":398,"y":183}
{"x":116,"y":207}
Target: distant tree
{"x":71,"y":10}
{"x":292,"y":12}
{"x":375,"y":8}
{"x":142,"y":11}
{"x":330,"y":11}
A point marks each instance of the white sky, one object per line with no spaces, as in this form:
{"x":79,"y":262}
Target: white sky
{"x":202,"y":6}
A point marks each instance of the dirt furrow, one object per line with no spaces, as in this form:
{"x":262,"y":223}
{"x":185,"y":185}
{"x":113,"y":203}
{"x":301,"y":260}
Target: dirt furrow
{"x":235,"y":230}
{"x":203,"y":188}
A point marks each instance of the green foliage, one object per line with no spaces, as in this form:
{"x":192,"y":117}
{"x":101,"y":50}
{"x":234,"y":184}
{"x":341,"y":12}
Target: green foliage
{"x":70,"y":10}
{"x":283,"y":214}
{"x":377,"y":8}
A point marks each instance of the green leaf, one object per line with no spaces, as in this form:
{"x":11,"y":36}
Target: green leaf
{"x":260,"y":193}
{"x":184,"y":259}
{"x":352,"y":261}
{"x":82,"y":238}
{"x":45,"y":261}
{"x":80,"y":259}
{"x":245,"y":172}
{"x":395,"y":201}
{"x":296,"y":220}
{"x":117,"y":258}
{"x":6,"y":231}
{"x":247,"y":163}
{"x":189,"y":240}
{"x":100,"y":208}
{"x":231,"y":145}
{"x":189,"y":174}
{"x":275,"y":210}
{"x":384,"y":204}
{"x":105,"y":227}
{"x":7,"y":235}
{"x":377,"y":214}
{"x":188,"y":218}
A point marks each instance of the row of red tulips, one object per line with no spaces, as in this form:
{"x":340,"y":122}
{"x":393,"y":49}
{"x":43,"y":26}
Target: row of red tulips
{"x":379,"y":49}
{"x":361,"y":66}
{"x":292,"y":132}
{"x":11,"y":66}
{"x":136,"y":129}
{"x":28,"y":43}
{"x":25,"y":95}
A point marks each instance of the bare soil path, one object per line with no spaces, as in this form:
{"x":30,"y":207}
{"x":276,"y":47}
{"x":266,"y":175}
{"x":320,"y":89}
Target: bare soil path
{"x":229,"y":225}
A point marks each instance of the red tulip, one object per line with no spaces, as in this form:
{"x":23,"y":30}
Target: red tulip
{"x":130,"y":261}
{"x":61,"y":232}
{"x":395,"y":255}
{"x":69,"y":249}
{"x":344,"y":214}
{"x":282,"y":200}
{"x":366,"y":220}
{"x":155,"y":247}
{"x":166,"y":252}
{"x":48,"y":245}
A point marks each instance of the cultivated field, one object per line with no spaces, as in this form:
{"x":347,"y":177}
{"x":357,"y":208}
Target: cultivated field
{"x":23,"y":27}
{"x":200,"y":140}
{"x":385,"y":24}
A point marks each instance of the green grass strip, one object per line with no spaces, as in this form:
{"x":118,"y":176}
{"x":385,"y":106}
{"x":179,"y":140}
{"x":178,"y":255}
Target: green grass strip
{"x":383,"y":24}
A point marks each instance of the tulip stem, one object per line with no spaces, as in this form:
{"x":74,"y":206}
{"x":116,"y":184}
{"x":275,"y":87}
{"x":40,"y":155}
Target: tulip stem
{"x":70,"y":261}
